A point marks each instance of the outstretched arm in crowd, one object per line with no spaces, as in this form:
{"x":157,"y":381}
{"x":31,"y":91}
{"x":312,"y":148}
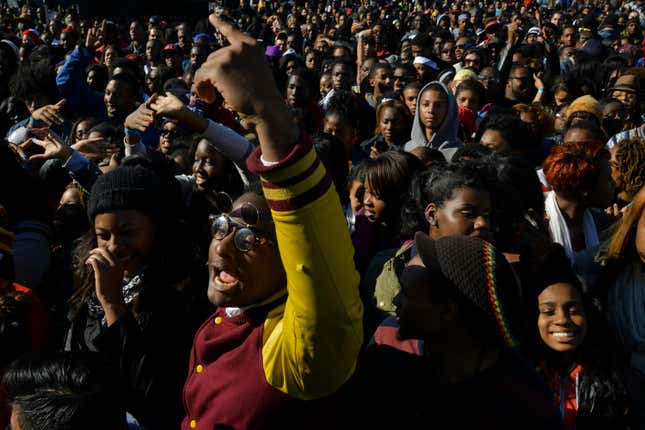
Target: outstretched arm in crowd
{"x":225,"y":140}
{"x":312,"y":348}
{"x":81,"y":99}
{"x":76,"y":157}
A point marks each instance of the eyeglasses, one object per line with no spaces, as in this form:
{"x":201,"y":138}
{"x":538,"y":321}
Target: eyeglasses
{"x":523,"y":80}
{"x":399,"y":78}
{"x":464,"y":46}
{"x":171,"y":133}
{"x":245,"y":237}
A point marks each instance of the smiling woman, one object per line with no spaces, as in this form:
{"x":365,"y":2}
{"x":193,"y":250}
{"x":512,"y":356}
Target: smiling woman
{"x":570,"y":350}
{"x":127,"y":269}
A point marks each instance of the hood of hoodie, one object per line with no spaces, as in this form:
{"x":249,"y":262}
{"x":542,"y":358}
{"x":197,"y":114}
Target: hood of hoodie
{"x":446,"y":136}
{"x":439,"y":17}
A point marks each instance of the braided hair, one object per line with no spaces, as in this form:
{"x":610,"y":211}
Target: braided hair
{"x":630,"y":162}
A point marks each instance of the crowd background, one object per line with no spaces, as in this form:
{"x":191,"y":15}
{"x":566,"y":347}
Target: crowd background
{"x":323,"y":214}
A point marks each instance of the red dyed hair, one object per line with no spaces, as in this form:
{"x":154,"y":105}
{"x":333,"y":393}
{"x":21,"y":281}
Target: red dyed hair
{"x":573,"y":168}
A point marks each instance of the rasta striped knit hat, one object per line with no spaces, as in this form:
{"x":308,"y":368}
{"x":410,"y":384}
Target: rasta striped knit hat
{"x":481,"y":276}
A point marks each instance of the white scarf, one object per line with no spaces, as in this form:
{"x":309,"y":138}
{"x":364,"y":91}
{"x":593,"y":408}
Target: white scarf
{"x":559,"y":230}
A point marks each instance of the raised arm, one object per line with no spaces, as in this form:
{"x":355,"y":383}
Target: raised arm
{"x":70,"y":81}
{"x":248,"y":90}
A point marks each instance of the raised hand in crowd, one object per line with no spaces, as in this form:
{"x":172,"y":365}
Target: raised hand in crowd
{"x":49,"y":114}
{"x":54,"y":147}
{"x":142,"y":117}
{"x":237,"y":72}
{"x":96,"y":148}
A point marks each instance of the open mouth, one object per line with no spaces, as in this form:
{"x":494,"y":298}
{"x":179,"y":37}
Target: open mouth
{"x":224,"y":281}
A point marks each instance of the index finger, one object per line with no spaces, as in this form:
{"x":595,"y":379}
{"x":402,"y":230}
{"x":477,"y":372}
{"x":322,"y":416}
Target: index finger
{"x":227,"y":30}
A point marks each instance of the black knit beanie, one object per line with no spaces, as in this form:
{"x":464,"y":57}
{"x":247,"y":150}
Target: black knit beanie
{"x":481,"y":275}
{"x":131,"y":187}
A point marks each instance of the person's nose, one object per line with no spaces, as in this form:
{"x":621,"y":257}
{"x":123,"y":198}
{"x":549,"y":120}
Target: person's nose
{"x":225,"y":247}
{"x":482,"y":223}
{"x":561,"y":317}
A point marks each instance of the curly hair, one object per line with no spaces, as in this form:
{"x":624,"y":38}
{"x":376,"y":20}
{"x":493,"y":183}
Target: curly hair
{"x":623,"y":241}
{"x":630,"y":162}
{"x":573,"y":168}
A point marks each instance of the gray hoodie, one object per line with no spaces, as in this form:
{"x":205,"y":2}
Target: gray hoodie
{"x":445,"y":139}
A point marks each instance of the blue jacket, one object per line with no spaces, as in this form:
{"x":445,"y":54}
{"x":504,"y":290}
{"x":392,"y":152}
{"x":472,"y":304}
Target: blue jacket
{"x":81,"y":99}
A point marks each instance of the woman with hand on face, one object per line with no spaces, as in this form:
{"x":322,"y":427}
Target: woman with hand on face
{"x":127,"y":305}
{"x":570,"y":348}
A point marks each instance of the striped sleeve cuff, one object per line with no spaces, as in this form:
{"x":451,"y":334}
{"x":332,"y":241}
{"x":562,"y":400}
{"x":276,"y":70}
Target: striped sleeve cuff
{"x":296,"y":181}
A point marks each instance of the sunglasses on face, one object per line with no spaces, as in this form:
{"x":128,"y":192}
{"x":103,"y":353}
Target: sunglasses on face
{"x":171,"y":133}
{"x":245,"y":237}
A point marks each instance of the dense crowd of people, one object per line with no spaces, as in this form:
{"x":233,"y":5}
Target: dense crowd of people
{"x":323,"y":214}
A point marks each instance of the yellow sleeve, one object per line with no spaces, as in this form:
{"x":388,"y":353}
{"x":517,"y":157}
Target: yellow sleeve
{"x":311,"y":344}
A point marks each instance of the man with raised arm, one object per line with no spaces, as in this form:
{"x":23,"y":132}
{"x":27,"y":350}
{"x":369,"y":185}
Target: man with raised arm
{"x":287,"y":328}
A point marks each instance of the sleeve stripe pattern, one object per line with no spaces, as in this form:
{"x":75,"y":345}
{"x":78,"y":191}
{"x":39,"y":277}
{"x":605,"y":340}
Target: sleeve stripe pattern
{"x":296,"y":181}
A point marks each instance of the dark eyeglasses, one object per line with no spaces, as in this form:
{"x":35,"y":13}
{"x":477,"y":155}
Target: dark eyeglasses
{"x":523,"y":80}
{"x":464,"y":45}
{"x":171,"y":133}
{"x":245,"y":237}
{"x":399,"y":78}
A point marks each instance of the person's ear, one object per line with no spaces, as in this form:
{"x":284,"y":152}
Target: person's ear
{"x":430,"y":214}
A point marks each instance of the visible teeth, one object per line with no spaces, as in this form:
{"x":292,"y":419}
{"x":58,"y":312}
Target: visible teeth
{"x":563,"y":334}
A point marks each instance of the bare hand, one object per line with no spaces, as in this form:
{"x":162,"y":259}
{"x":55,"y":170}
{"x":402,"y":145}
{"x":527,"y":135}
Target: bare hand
{"x":238,"y":72}
{"x":539,"y":85}
{"x":513,"y":32}
{"x":168,"y":106}
{"x":614,"y":212}
{"x":96,"y":148}
{"x":52,"y":144}
{"x":50,"y":114}
{"x":108,"y":279}
{"x":142,"y":117}
{"x":92,"y":37}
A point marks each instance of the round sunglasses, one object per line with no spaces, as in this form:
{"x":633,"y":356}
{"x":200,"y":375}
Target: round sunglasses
{"x":245,"y":237}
